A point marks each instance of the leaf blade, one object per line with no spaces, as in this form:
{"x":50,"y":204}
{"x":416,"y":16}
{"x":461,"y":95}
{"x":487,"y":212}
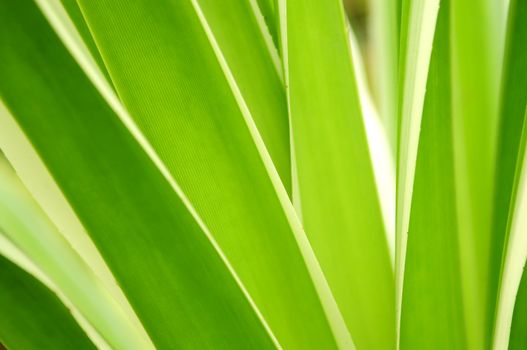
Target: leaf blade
{"x":330,"y":143}
{"x":28,"y":308}
{"x":237,"y":170}
{"x":432,"y":282}
{"x":30,"y":230}
{"x":513,"y":99}
{"x":72,"y":112}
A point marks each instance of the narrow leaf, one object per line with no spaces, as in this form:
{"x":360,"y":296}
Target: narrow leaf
{"x":68,"y":13}
{"x":475,"y":73}
{"x":24,"y":223}
{"x":518,"y":336}
{"x":418,"y":25}
{"x":338,"y":200}
{"x":193,"y":98}
{"x":253,"y":61}
{"x":160,"y":253}
{"x":511,"y":123}
{"x":432,"y":306}
{"x":32,"y":316}
{"x":50,"y":198}
{"x":270,"y":13}
{"x":181,"y":82}
{"x":514,"y":259}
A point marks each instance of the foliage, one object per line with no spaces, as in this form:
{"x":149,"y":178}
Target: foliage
{"x":214,"y":174}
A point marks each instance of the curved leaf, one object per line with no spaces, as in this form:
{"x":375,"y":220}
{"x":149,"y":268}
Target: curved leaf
{"x":511,"y":124}
{"x":515,"y":256}
{"x":418,"y":23}
{"x":253,"y":61}
{"x":432,"y":305}
{"x":160,"y":253}
{"x":32,"y":316}
{"x":518,"y":335}
{"x":24,"y":224}
{"x":74,"y":13}
{"x":475,"y":52}
{"x":338,"y":200}
{"x":270,"y":13}
{"x":182,"y":94}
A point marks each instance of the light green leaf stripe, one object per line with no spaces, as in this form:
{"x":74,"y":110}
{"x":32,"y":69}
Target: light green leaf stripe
{"x":181,"y":288}
{"x":23,"y":222}
{"x":192,"y":98}
{"x":270,"y":13}
{"x":32,"y":316}
{"x":432,"y":305}
{"x":74,"y":13}
{"x":334,"y":172}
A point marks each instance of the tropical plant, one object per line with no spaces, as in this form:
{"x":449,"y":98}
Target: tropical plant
{"x":204,"y":174}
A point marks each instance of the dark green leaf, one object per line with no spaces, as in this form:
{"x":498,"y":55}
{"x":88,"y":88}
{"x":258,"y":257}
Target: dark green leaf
{"x":160,"y":254}
{"x":32,"y":317}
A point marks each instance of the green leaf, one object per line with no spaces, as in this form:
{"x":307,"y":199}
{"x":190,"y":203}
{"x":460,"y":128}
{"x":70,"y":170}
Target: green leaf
{"x":74,"y":12}
{"x":336,"y":195}
{"x":270,"y":14}
{"x":174,"y":276}
{"x":253,"y":60}
{"x":514,"y":258}
{"x":180,"y":92}
{"x":24,"y":223}
{"x":68,"y":14}
{"x":50,"y":198}
{"x":418,"y":23}
{"x":475,"y":73}
{"x":432,"y":306}
{"x":32,"y":316}
{"x":251,"y":217}
{"x":518,"y":336}
{"x":511,"y":123}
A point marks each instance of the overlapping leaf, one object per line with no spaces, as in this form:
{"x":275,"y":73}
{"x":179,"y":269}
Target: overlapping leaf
{"x":183,"y":96}
{"x":269,"y":11}
{"x":432,"y":282}
{"x":160,"y":253}
{"x":336,"y":192}
{"x":518,"y":336}
{"x":24,"y":223}
{"x":418,"y":25}
{"x":475,"y":37}
{"x":247,"y":47}
{"x":510,"y":300}
{"x":511,"y":123}
{"x":32,"y":316}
